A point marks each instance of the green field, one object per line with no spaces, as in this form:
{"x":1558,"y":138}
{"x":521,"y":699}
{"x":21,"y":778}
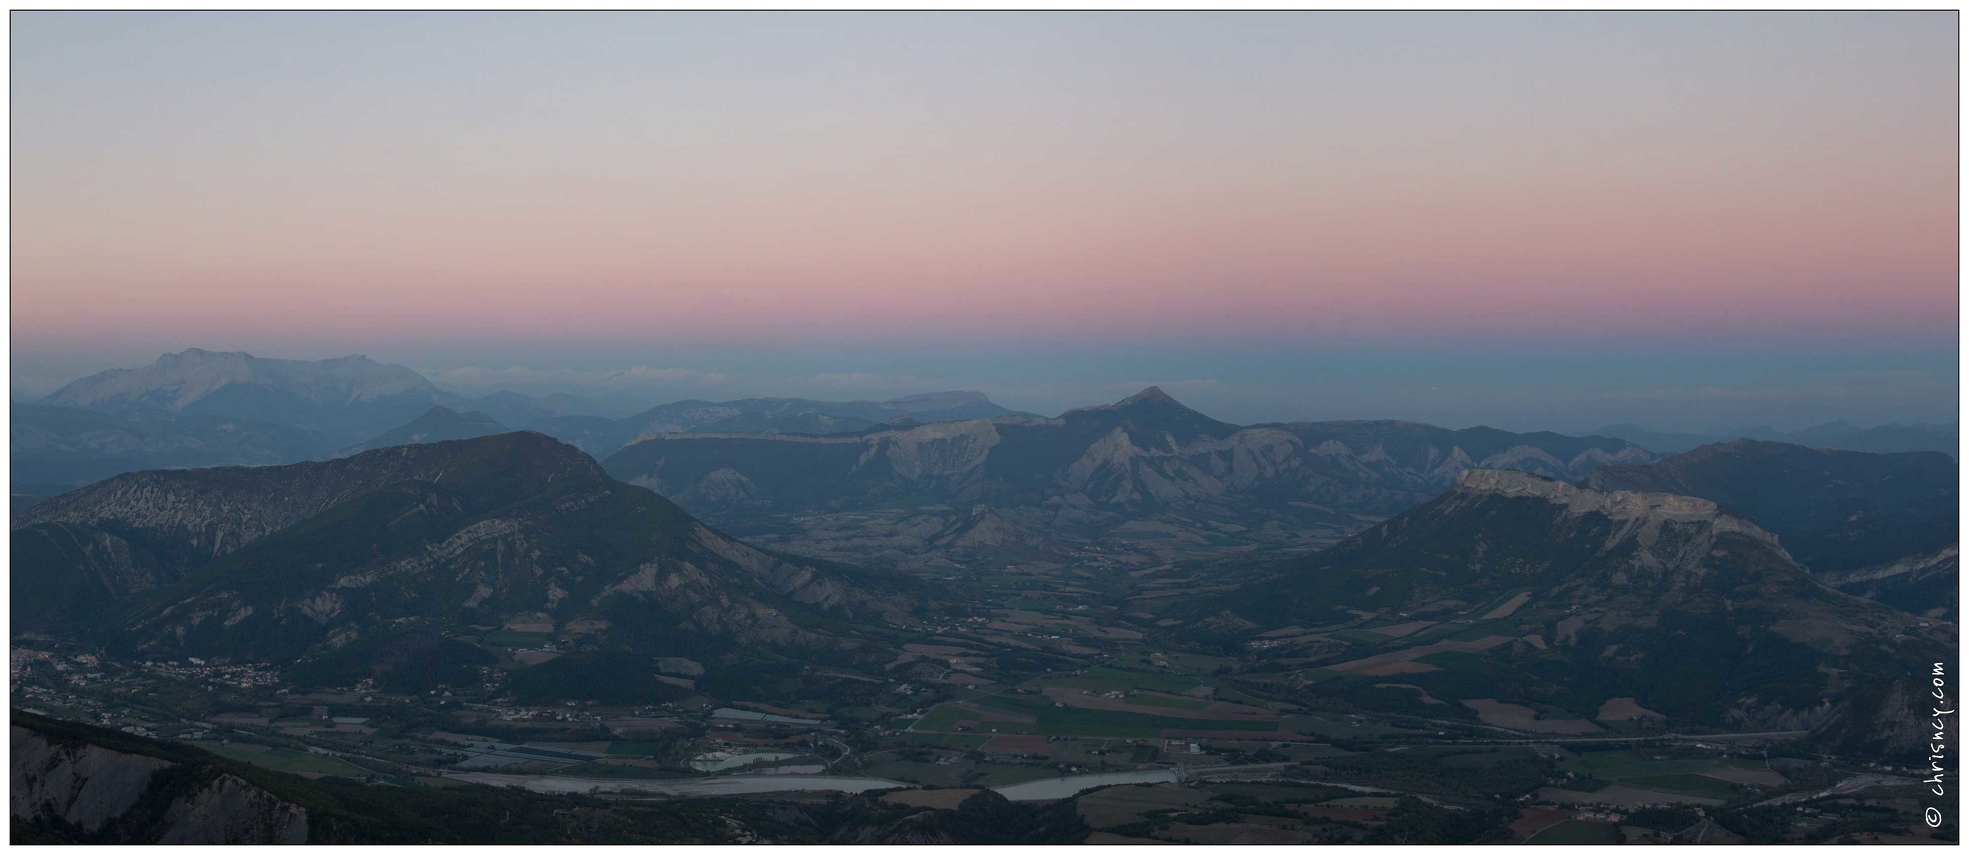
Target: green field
{"x":1199,"y":661}
{"x":1105,"y":679}
{"x":1171,"y":701}
{"x":1316,"y":726}
{"x":1230,"y":695}
{"x":1074,"y":721}
{"x":1485,"y":630}
{"x":1682,"y":775}
{"x":960,"y":741}
{"x":1578,"y":832}
{"x":1684,"y":783}
{"x":1612,"y":765}
{"x":1493,"y":605}
{"x":944,"y":717}
{"x":514,"y":638}
{"x":288,"y":760}
{"x":1486,"y":759}
{"x":634,"y":748}
{"x":1451,"y":659}
{"x":1360,"y":636}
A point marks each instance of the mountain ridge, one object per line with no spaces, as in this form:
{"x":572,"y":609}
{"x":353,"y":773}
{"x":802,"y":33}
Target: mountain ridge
{"x":602,"y":437}
{"x":1888,"y":438}
{"x":1570,"y":596}
{"x":1098,"y":478}
{"x":176,"y":381}
{"x":274,"y":562}
{"x":1838,"y":510}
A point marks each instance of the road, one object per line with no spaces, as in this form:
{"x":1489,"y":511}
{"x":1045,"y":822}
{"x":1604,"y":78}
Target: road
{"x":1849,"y":785}
{"x":846,"y":752}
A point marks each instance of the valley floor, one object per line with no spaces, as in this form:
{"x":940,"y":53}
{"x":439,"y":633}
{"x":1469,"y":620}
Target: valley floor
{"x":1054,"y":689}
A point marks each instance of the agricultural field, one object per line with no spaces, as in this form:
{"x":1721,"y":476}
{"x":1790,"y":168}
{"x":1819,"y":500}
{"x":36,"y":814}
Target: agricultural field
{"x":1029,"y":714}
{"x":1274,"y":813}
{"x":1671,"y":770}
{"x":1108,"y":679}
{"x":1578,"y":832}
{"x":514,"y":638}
{"x":287,"y":760}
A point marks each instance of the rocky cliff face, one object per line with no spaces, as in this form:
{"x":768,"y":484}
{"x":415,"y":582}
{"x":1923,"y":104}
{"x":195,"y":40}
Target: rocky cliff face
{"x":1642,"y":517}
{"x":1584,"y":548}
{"x":1573,"y":596}
{"x":1881,"y":526}
{"x":90,"y":793}
{"x":1836,"y":510}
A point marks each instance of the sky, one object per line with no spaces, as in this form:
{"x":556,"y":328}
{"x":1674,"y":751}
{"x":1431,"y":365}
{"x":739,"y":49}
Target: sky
{"x":1528,"y":220}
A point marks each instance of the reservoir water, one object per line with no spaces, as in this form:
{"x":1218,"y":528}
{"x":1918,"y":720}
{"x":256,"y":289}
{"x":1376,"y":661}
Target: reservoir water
{"x":1069,"y":785}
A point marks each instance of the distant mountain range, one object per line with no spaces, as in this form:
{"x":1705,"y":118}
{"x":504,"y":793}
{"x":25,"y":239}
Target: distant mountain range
{"x":336,"y":563}
{"x":204,"y":408}
{"x":1142,"y":481}
{"x":522,"y":411}
{"x":950,"y":479}
{"x":345,"y":400}
{"x":1518,"y":589}
{"x":1883,"y":439}
{"x":602,"y":437}
{"x":438,"y":424}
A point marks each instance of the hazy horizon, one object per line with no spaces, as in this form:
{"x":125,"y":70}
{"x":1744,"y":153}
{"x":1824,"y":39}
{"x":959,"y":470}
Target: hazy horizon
{"x":1350,"y":396}
{"x":1533,"y":221}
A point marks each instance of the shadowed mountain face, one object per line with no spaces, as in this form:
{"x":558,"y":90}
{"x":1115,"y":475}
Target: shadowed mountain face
{"x":1525,"y":589}
{"x":1882,"y":525}
{"x":803,"y":423}
{"x":1143,"y":480}
{"x":1925,"y":584}
{"x":78,"y":784}
{"x":436,"y":425}
{"x":275,"y":563}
